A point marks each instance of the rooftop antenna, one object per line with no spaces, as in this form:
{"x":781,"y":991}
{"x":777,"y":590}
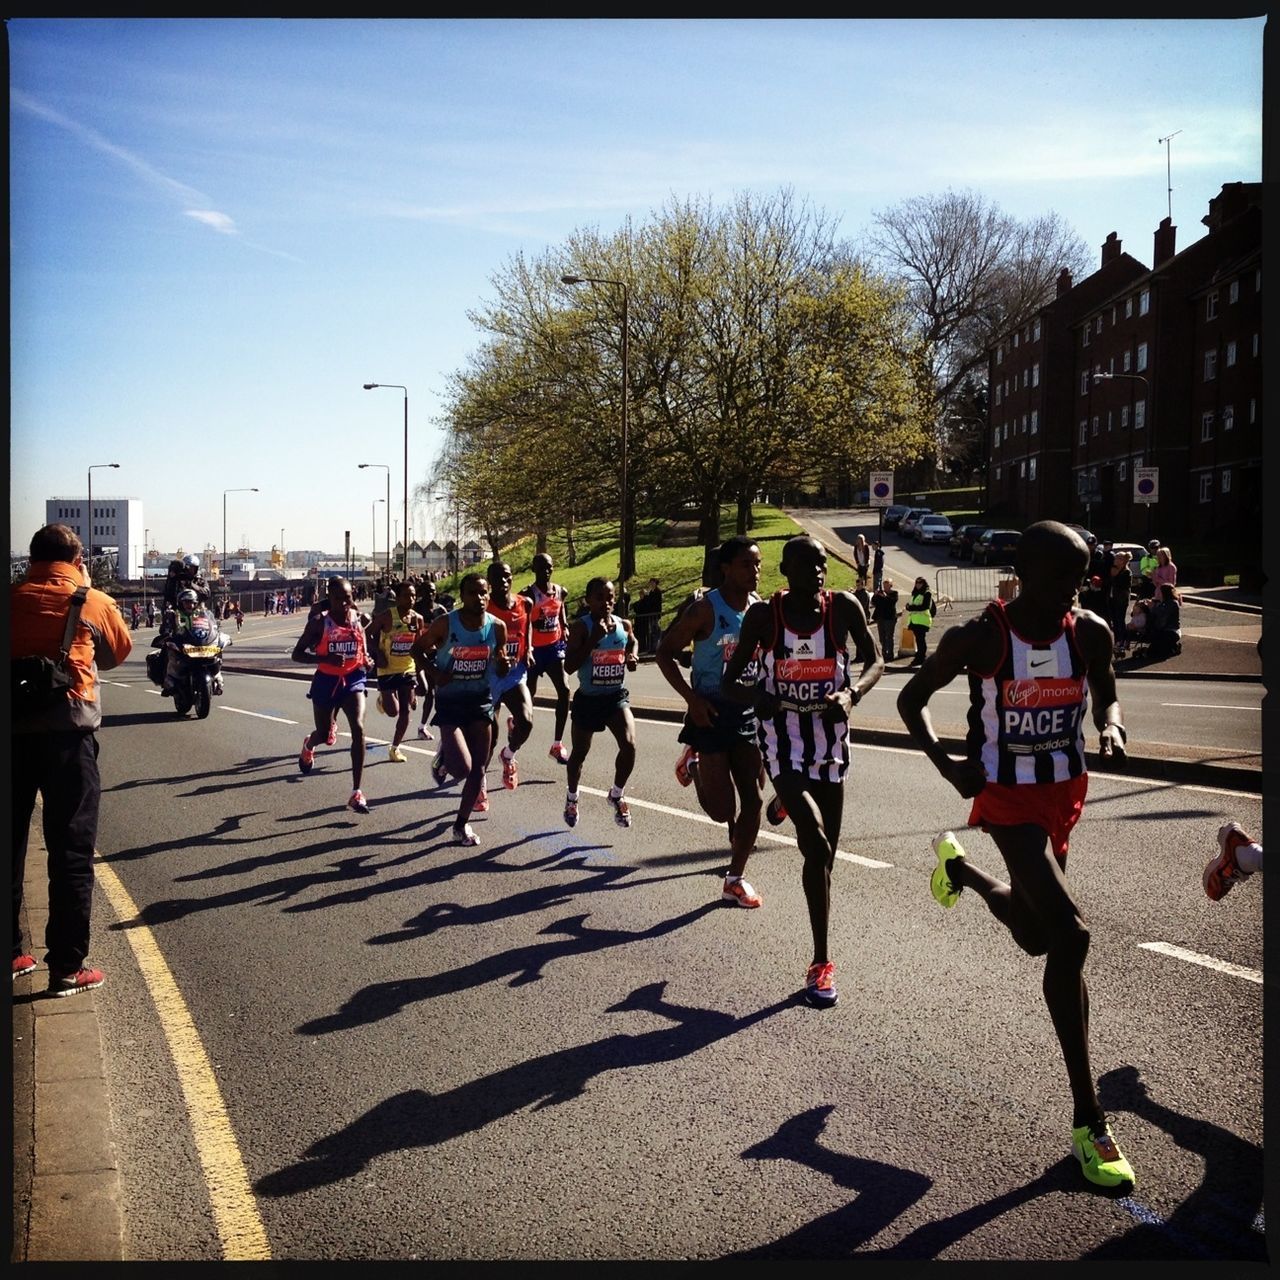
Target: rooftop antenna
{"x":1167,"y":167}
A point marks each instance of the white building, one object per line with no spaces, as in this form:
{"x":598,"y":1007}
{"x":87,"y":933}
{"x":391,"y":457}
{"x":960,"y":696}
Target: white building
{"x":116,"y":528}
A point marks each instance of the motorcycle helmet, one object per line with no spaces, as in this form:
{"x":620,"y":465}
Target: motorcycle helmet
{"x":191,"y":561}
{"x":187,"y":600}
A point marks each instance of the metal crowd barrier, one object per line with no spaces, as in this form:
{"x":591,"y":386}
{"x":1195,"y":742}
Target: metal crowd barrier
{"x":976,"y":583}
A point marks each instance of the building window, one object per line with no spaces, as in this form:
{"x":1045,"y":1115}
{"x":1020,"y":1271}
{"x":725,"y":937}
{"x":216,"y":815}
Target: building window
{"x":1087,"y":331}
{"x":1097,"y":325}
{"x":1233,"y":293}
{"x":1228,"y":416}
{"x":1144,"y":302}
{"x":1142,"y":356}
{"x":997,"y":473}
{"x":1031,"y":470}
{"x":1035,"y":421}
{"x":1206,"y":486}
{"x":1035,"y":374}
{"x":1084,"y":382}
{"x":1255,"y":346}
{"x":1128,"y":308}
{"x":1035,"y":329}
{"x":1084,"y":430}
{"x":1139,"y":415}
{"x":1111,"y":364}
{"x":1006,"y":431}
{"x":1226,"y":479}
{"x":1015,"y":340}
{"x":1108,"y":419}
{"x":1127,"y":363}
{"x":1206,"y":425}
{"x":1231,"y":354}
{"x":1122,"y":470}
{"x":999,"y":352}
{"x":1257,"y":280}
{"x":1210,"y":365}
{"x":1095,"y":424}
{"x":1113,"y":316}
{"x":1253,"y":411}
{"x":997,"y":393}
{"x":1124,"y":415}
{"x":1211,"y":306}
{"x":1022,"y":469}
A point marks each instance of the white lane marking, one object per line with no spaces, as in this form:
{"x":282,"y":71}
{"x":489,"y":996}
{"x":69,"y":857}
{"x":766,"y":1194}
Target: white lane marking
{"x":1209,"y":962}
{"x":1214,"y":706}
{"x":257,"y":715}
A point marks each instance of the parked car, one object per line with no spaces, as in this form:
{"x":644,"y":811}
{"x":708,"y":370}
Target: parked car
{"x":893,"y":515}
{"x":963,"y":538}
{"x":933,"y":528}
{"x":996,"y":546}
{"x":907,"y":525}
{"x":1082,"y":531}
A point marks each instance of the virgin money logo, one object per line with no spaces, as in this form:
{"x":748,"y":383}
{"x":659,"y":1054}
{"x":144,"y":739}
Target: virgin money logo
{"x":806,"y":669}
{"x":1042,"y":693}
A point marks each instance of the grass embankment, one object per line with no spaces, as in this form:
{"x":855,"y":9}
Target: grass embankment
{"x":678,"y":568}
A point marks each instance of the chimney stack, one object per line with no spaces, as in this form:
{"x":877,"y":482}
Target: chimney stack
{"x":1166,"y":236}
{"x":1110,"y":249}
{"x":1064,"y":282}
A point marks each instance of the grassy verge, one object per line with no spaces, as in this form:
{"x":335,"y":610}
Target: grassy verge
{"x":677,"y":568}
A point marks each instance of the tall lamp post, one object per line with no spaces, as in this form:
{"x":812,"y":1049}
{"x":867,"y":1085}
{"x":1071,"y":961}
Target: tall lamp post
{"x":626,"y":556}
{"x":1151,"y":426}
{"x":373,"y":536}
{"x":146,"y":539}
{"x":223,"y":567}
{"x":386,"y":467}
{"x":373,"y":386}
{"x":97,"y":466}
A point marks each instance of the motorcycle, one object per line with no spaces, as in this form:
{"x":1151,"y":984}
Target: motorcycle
{"x":196,"y":644}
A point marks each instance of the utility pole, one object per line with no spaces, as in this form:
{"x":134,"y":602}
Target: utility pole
{"x":1168,"y":169}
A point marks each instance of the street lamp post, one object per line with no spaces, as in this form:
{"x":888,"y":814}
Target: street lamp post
{"x":146,"y":542}
{"x":626,"y":567}
{"x":371,"y":386}
{"x":97,"y":466}
{"x":373,"y":537}
{"x":385,"y":467}
{"x":1151,"y":426}
{"x":223,"y":567}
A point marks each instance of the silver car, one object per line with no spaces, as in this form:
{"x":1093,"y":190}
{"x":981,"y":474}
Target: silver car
{"x":933,"y":528}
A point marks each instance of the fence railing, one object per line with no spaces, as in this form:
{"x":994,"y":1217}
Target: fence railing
{"x":975,"y":584}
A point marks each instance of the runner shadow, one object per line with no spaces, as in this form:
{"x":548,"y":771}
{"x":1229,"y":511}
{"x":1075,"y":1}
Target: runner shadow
{"x":416,"y":1118}
{"x":519,"y":966}
{"x":1218,"y":1219}
{"x":884,"y":1192}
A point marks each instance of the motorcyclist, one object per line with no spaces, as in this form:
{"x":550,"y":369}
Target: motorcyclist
{"x":187,"y":605}
{"x":184,"y":574}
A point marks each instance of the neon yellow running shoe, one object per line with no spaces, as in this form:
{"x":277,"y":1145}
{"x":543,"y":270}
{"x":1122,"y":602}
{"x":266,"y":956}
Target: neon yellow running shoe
{"x":1100,"y":1157}
{"x":946,"y":846}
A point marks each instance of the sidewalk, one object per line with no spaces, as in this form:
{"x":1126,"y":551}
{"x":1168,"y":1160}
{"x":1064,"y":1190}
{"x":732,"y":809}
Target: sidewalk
{"x":66,"y":1180}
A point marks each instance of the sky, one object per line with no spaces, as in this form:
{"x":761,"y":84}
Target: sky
{"x":220,"y":229}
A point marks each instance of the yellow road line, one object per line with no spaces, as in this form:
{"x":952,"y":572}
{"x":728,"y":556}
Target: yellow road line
{"x":235,"y":1210}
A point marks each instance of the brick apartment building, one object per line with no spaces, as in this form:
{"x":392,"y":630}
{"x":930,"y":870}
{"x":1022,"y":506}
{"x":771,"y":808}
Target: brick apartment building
{"x":1138,"y":368}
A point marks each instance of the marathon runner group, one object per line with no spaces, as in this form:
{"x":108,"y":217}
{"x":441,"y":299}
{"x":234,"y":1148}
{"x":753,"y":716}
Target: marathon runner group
{"x":771,"y":688}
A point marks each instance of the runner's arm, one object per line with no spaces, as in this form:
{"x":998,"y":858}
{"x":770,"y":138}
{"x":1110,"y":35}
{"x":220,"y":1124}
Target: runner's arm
{"x":1095,"y":641}
{"x":500,"y":660}
{"x":304,"y":650}
{"x":577,"y":646}
{"x":757,"y":628}
{"x":690,"y":625}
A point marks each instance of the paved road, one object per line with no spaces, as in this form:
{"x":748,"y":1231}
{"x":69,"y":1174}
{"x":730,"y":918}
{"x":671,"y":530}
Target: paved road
{"x":332,"y":1036}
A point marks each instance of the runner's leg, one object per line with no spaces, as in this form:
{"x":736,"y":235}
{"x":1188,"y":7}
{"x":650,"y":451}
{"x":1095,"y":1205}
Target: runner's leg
{"x":353,"y":705}
{"x":623,"y":727}
{"x":815,"y":810}
{"x":473,"y":743}
{"x":556,"y":672}
{"x":745,"y":770}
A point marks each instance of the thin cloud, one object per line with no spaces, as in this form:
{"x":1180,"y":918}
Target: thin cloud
{"x":194,"y":200}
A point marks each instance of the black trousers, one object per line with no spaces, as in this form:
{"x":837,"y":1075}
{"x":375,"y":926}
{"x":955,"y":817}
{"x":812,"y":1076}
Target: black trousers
{"x":63,"y":768}
{"x":887,"y":628}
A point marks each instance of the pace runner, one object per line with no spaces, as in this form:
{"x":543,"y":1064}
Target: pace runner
{"x":334,"y":640}
{"x":550,"y":629}
{"x":1031,"y":665}
{"x":430,"y":611}
{"x":721,"y":756}
{"x":803,"y":704}
{"x":601,"y":648}
{"x":459,"y":652}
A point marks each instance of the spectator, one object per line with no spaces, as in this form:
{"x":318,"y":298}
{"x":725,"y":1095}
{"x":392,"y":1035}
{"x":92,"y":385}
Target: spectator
{"x":1146,"y":568}
{"x":1139,"y":622}
{"x":648,"y":617}
{"x":1165,"y":573}
{"x":1164,"y":625}
{"x":1119,"y":583}
{"x":135,"y":615}
{"x":861,"y":558}
{"x":877,"y":566}
{"x":56,"y":753}
{"x":1094,"y":598}
{"x":863,"y":597}
{"x":884,"y":613}
{"x":920,"y":611}
{"x":151,"y":613}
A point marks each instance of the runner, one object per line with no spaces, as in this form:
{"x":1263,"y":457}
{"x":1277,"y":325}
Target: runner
{"x":334,"y":639}
{"x":601,"y":648}
{"x":803,"y":704}
{"x":430,"y":611}
{"x":1031,"y":665}
{"x":459,"y":651}
{"x":511,"y":690}
{"x":391,"y":635}
{"x":549,"y":631}
{"x":721,"y":755}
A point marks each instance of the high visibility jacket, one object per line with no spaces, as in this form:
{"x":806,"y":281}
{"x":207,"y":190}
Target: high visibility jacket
{"x":918,"y":614}
{"x":37,"y":620}
{"x":1147,"y":565}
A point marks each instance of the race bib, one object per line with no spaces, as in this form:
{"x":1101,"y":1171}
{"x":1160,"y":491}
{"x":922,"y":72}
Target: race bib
{"x":469,"y":661}
{"x":608,"y":667}
{"x":802,"y":684}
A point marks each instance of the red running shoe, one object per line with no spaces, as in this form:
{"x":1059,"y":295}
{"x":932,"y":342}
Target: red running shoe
{"x":23,"y":964}
{"x":70,"y":984}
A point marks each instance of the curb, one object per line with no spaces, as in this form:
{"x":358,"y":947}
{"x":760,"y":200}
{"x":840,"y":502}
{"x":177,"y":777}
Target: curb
{"x":66,"y":1188}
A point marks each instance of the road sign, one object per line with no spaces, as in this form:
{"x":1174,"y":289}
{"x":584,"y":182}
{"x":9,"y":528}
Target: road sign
{"x":1146,"y":484}
{"x":881,"y":489}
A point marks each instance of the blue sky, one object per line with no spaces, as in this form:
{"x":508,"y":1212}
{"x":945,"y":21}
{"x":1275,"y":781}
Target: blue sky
{"x":221,"y":228}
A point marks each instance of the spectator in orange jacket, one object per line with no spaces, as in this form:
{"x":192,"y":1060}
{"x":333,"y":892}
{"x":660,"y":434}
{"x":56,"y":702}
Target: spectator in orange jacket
{"x":55,"y":750}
